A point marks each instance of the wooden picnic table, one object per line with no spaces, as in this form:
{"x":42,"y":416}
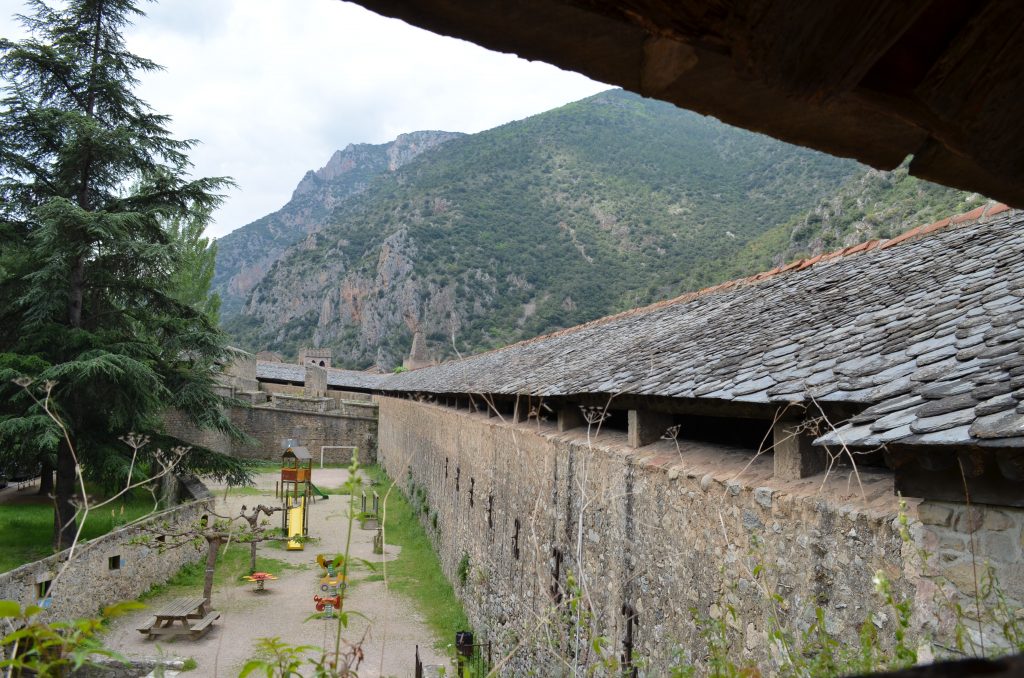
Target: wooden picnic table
{"x":179,"y":617}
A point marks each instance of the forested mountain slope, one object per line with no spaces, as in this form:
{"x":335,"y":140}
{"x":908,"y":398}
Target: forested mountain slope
{"x":600,"y":205}
{"x":245,"y":255}
{"x":874,"y":204}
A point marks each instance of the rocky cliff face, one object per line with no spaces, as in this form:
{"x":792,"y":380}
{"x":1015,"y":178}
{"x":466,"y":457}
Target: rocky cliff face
{"x":595,"y":207}
{"x":245,"y":255}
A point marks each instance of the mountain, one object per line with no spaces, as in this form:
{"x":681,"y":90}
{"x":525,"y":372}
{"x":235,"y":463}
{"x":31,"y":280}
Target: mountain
{"x":870,"y":205}
{"x":547,"y":222}
{"x":245,"y":255}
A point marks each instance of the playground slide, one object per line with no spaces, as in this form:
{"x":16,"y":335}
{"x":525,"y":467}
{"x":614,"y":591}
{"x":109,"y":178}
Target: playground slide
{"x":295,"y":525}
{"x":318,"y":492}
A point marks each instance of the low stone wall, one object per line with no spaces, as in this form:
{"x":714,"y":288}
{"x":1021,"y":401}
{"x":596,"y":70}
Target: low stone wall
{"x":105,"y":570}
{"x":284,"y":401}
{"x":665,"y":534}
{"x":357,"y":408}
{"x":350,"y":395}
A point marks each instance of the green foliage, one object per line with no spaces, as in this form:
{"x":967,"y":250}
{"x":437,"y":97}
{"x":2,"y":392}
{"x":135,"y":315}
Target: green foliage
{"x":462,"y":572}
{"x":87,"y":275}
{"x":275,"y":658}
{"x":197,"y":256}
{"x":874,"y":204}
{"x":55,"y":648}
{"x":815,"y":651}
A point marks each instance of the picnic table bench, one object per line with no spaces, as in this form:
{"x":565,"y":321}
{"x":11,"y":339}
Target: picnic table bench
{"x":181,"y":616}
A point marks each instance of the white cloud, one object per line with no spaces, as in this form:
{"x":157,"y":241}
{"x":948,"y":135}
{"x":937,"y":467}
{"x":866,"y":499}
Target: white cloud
{"x":272,"y":87}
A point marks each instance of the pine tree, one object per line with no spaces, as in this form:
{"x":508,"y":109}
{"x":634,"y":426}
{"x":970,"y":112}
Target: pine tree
{"x":89,"y":175}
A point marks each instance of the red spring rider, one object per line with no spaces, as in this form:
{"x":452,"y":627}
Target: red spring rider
{"x":323,"y":602}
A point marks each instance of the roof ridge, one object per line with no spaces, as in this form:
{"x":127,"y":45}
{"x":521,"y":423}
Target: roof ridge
{"x":977,"y":214}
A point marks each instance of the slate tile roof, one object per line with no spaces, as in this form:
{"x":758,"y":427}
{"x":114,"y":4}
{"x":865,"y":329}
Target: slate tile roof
{"x":335,"y":377}
{"x":924,"y":330}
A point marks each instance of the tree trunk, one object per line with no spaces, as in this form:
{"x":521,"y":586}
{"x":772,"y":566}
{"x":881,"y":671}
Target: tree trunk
{"x":76,"y":292}
{"x":64,"y":528}
{"x":46,"y":479}
{"x":213,"y":545}
{"x":169,"y":490}
{"x":252,"y":556}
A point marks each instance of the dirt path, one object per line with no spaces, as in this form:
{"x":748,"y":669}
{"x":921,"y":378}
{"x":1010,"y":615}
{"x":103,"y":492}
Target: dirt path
{"x":392,"y":627}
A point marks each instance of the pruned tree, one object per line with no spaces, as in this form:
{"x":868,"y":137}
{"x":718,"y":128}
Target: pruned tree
{"x":215,"y":531}
{"x":90,"y":275}
{"x":257,"y":528}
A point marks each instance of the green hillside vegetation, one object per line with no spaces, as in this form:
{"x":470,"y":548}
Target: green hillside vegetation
{"x":594,"y":207}
{"x":875,"y":204}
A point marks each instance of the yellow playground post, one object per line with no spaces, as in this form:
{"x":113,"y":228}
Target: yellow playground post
{"x":295,"y":523}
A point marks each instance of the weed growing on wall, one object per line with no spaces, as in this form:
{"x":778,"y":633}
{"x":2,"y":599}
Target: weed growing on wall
{"x":990,"y":624}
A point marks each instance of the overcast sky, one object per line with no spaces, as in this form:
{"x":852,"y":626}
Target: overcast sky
{"x":273,"y":87}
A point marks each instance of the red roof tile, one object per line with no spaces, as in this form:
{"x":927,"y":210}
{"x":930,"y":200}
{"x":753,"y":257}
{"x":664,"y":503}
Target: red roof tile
{"x":973,"y":215}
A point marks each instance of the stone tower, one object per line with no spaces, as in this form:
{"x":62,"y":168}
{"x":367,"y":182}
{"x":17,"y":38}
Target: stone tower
{"x":318,"y":357}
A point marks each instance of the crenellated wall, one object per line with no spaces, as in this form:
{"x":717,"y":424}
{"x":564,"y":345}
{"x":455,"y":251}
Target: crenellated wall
{"x":668,"y":533}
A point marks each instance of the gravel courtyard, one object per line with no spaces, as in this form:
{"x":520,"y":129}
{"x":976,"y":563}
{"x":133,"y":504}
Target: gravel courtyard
{"x":392,"y":626}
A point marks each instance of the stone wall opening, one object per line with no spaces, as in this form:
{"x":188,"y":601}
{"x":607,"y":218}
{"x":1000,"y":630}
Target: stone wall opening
{"x":748,"y":434}
{"x":616,"y":420}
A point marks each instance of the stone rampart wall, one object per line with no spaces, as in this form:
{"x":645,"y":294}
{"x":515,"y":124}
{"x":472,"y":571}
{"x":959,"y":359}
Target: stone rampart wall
{"x":670,"y":533}
{"x":179,"y":426}
{"x":268,"y":426}
{"x":354,"y":425}
{"x":350,"y":395}
{"x":103,"y":571}
{"x":284,"y":401}
{"x":357,"y":408}
{"x":339,"y":396}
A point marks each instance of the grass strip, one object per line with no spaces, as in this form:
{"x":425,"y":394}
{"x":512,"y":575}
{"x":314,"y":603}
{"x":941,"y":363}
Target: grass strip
{"x":232,"y":565}
{"x":416,"y":573}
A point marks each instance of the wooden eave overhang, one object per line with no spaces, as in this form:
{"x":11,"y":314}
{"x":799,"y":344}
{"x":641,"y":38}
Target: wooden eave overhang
{"x":874,"y":80}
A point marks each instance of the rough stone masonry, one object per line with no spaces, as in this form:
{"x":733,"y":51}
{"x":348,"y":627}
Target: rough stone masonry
{"x":660,"y":538}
